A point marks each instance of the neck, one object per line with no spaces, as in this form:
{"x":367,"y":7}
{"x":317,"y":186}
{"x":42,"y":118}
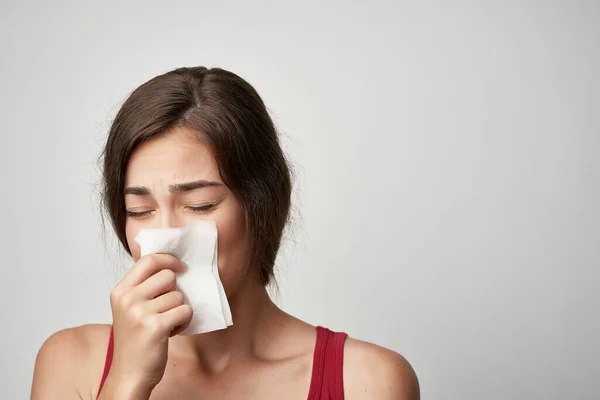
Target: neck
{"x":255,"y":319}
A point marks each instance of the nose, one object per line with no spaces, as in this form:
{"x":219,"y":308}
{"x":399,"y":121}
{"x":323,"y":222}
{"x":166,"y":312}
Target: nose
{"x":171,"y":219}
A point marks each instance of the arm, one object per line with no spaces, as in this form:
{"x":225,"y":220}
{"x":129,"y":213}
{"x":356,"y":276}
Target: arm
{"x":374,"y":372}
{"x":115,"y":389}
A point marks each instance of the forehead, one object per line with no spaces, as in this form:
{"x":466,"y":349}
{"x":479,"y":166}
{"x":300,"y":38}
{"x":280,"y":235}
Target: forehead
{"x":175,"y":156}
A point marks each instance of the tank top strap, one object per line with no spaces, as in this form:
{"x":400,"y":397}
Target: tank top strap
{"x":327,"y":381}
{"x":108,"y":360}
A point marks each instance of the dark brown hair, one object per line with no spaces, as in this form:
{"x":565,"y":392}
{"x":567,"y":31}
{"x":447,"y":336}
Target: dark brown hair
{"x":231,"y":118}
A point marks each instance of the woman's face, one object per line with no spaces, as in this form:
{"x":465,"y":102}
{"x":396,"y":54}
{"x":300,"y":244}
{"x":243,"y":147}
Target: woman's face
{"x":173,"y":180}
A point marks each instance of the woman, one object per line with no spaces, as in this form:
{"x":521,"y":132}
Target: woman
{"x":207,"y":132}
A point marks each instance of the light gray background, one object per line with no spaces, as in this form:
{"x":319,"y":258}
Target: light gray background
{"x":447,"y":161}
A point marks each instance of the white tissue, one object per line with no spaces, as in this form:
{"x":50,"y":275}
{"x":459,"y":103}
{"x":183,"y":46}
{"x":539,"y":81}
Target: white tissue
{"x":195,"y":245}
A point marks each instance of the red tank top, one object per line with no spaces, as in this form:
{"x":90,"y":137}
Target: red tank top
{"x":327,"y":381}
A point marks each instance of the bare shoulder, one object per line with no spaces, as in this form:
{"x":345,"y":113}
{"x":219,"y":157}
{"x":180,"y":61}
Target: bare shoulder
{"x":372,"y":371}
{"x":67,"y":362}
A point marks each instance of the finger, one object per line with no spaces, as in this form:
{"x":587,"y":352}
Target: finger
{"x":150,"y":264}
{"x":165,"y":302}
{"x":179,"y":329}
{"x":160,"y":283}
{"x":177,"y":317}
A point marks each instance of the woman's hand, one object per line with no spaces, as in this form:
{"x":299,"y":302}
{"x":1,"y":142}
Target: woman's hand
{"x":147,"y":310}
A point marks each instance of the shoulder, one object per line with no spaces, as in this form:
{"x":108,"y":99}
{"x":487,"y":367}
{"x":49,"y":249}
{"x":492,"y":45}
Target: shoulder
{"x":68,"y":361}
{"x":372,"y":371}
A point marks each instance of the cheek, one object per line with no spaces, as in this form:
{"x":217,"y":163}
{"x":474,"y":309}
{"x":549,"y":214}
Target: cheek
{"x":131,"y":231}
{"x":231,"y":228}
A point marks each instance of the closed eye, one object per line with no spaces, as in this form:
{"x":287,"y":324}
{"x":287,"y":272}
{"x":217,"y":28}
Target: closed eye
{"x":204,"y":208}
{"x":138,"y":214}
{"x":198,"y":209}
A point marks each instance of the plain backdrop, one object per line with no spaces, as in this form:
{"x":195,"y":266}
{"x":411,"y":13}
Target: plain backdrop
{"x":447,"y":200}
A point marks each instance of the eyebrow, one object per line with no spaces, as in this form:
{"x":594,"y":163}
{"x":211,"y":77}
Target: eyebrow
{"x":189,"y":186}
{"x":175,"y":188}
